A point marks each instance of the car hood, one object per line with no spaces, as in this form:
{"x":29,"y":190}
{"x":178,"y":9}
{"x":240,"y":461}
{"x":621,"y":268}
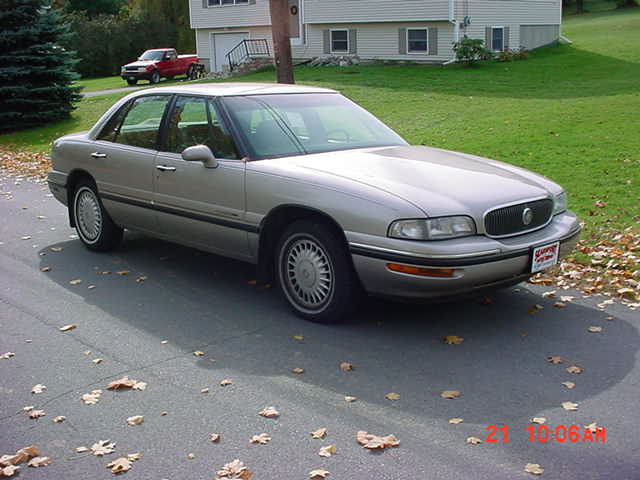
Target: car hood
{"x":141,"y":63}
{"x":439,"y":182}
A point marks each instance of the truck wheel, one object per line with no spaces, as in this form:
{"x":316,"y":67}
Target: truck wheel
{"x":132,"y":82}
{"x":155,"y":77}
{"x":315,"y":273}
{"x":191,"y":73}
{"x":95,"y":228}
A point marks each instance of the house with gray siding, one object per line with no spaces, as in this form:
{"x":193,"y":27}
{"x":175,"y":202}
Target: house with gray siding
{"x":413,"y":30}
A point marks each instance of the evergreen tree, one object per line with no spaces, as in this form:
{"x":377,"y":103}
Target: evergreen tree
{"x":36,"y":73}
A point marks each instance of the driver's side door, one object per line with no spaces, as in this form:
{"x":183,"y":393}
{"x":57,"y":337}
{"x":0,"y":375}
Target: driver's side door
{"x":201,"y":206}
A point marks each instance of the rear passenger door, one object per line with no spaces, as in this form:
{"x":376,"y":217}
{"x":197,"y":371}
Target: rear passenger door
{"x":198,"y":205}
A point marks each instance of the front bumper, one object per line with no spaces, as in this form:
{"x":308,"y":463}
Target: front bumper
{"x":136,"y":75}
{"x":478,"y":262}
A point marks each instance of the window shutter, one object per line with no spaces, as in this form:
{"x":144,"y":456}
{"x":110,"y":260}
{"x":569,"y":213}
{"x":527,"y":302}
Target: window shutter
{"x":506,"y":38}
{"x":487,"y":38}
{"x":353,"y":41}
{"x":402,"y":41}
{"x":433,"y":41}
{"x":326,"y":41}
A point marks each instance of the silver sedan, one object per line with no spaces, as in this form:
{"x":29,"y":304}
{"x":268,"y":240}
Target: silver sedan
{"x":311,"y":188}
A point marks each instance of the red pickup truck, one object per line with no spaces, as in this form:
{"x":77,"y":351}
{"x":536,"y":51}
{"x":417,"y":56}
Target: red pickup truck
{"x":160,"y":63}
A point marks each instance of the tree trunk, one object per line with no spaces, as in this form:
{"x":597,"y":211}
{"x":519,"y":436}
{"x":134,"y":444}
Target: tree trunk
{"x":579,"y":6}
{"x":279,"y":10}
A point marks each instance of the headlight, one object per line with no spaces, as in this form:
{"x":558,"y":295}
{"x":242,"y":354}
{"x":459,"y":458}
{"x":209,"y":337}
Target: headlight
{"x":560,"y":203}
{"x":433,"y":228}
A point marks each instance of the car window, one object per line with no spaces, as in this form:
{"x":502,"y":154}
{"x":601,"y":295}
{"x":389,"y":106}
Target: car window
{"x":110,"y":130}
{"x":195,"y":121}
{"x":142,"y":122}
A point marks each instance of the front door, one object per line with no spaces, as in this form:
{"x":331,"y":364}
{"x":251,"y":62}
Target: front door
{"x":198,"y":205}
{"x":223,"y":43}
{"x":295,"y":24}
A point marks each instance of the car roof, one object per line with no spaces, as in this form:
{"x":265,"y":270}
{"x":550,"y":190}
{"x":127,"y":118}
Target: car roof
{"x":232,"y":89}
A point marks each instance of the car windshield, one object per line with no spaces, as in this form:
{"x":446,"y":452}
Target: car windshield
{"x":295,"y":124}
{"x":152,"y":55}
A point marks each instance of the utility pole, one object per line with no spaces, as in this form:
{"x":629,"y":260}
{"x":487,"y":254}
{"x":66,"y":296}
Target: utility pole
{"x":279,"y":10}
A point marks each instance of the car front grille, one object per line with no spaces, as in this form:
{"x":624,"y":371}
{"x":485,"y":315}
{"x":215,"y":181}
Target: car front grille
{"x":131,"y":69}
{"x":511,"y":220}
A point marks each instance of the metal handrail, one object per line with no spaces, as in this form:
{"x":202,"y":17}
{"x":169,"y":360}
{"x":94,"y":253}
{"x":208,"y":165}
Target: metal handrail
{"x":246,"y":49}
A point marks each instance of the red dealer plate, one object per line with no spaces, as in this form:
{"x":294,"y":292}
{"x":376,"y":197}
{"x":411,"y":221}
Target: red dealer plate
{"x":544,"y":256}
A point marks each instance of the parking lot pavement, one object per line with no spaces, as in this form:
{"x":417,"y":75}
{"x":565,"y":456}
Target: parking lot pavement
{"x":200,"y":302}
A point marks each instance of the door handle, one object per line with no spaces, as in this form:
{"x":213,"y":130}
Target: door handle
{"x":164,"y":168}
{"x":99,"y":155}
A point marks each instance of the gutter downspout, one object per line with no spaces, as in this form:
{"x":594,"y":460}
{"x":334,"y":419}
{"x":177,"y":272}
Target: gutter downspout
{"x":456,"y":28}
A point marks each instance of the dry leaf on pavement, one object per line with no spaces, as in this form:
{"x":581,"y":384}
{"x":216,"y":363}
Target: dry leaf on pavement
{"x":40,"y":461}
{"x":91,"y":398}
{"x":122,"y":272}
{"x":574,"y":369}
{"x":269,"y":412}
{"x":97,"y":360}
{"x":36,"y":413}
{"x":594,"y":329}
{"x":568,"y":384}
{"x":135,"y":420}
{"x":66,"y":328}
{"x":374,"y":442}
{"x":450,"y":394}
{"x":77,"y":281}
{"x":555,"y":359}
{"x":126,"y":382}
{"x":191,"y":456}
{"x":392,"y":396}
{"x":538,"y":420}
{"x":45,"y":269}
{"x":455,"y":421}
{"x":298,"y":337}
{"x":9,"y":470}
{"x":198,"y":353}
{"x":453,"y":340}
{"x":81,"y":449}
{"x":215,"y":437}
{"x":141,"y":278}
{"x":102,"y":447}
{"x":346,"y":366}
{"x":235,"y":470}
{"x":120,"y":465}
{"x":262,"y":439}
{"x":320,"y":433}
{"x":533,"y":468}
{"x":59,"y":419}
{"x":327,"y":451}
{"x":225,"y":382}
{"x":318,"y":473}
{"x":38,"y":388}
{"x":350,"y":399}
{"x":570,"y":406}
{"x":592,"y":427}
{"x":297,"y":370}
{"x":204,"y":390}
{"x":7,"y":355}
{"x":474,"y":440}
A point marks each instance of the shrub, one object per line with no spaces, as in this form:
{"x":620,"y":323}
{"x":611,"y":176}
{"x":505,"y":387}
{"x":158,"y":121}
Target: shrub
{"x":470,"y":50}
{"x":627,"y":3}
{"x":509,"y":55}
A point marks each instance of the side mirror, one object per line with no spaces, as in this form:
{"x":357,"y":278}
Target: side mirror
{"x":200,"y":153}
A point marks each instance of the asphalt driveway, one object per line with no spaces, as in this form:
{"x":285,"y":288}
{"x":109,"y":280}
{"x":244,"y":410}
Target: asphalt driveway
{"x":200,"y":302}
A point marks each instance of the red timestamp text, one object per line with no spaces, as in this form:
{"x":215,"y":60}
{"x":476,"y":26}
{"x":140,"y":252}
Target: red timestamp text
{"x":550,"y":434}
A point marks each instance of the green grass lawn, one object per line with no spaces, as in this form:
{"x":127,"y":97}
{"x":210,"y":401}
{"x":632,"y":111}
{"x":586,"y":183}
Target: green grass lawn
{"x":570,"y":112}
{"x":110,"y":83}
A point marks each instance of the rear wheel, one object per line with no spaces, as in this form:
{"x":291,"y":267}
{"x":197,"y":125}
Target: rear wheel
{"x":132,"y":82}
{"x":315,"y":273}
{"x":95,"y":228}
{"x":155,"y":77}
{"x":191,"y":74}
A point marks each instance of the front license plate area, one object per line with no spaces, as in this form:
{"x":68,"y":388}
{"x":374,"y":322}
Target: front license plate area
{"x":544,"y":256}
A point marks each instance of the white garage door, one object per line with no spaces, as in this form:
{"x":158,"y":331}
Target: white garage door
{"x":221,"y":44}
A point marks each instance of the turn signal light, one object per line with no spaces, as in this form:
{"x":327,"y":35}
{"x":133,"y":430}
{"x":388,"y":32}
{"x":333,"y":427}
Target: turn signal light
{"x":423,"y":272}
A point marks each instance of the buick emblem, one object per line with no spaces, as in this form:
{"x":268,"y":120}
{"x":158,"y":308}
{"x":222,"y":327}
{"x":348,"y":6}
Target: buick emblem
{"x":527,"y":216}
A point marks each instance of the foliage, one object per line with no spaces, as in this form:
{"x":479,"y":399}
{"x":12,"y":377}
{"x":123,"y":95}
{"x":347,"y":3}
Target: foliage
{"x":176,"y":13}
{"x":511,"y":54}
{"x":627,"y":3}
{"x":36,"y":73}
{"x":95,"y":7}
{"x":470,"y":50}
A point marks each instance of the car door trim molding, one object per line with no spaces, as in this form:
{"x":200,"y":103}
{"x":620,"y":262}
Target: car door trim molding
{"x":181,"y":213}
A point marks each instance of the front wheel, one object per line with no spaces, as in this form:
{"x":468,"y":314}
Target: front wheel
{"x":155,"y":77}
{"x":132,"y":82}
{"x":315,"y":273}
{"x":95,"y":228}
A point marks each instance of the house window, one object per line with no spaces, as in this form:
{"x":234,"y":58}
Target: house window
{"x":497,"y":39}
{"x":417,"y":40}
{"x":339,"y":40}
{"x":215,"y":3}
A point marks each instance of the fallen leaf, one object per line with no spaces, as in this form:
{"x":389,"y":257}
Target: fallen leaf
{"x":77,"y":281}
{"x":559,"y":305}
{"x":225,"y":382}
{"x":66,"y":328}
{"x":215,"y":437}
{"x":191,"y":456}
{"x":263,"y":438}
{"x":453,"y":340}
{"x":474,"y":440}
{"x":298,"y":337}
{"x":141,"y":278}
{"x":56,"y":249}
{"x":91,"y":398}
{"x":120,"y":465}
{"x":346,"y":366}
{"x":9,"y":470}
{"x":269,"y":412}
{"x":450,"y":394}
{"x":327,"y":451}
{"x":297,"y":370}
{"x":97,"y":360}
{"x":40,"y":462}
{"x":26,"y":237}
{"x":555,"y":359}
{"x":455,"y":421}
{"x":164,"y":342}
{"x":539,"y":420}
{"x":45,"y":269}
{"x":135,"y":420}
{"x":570,"y":406}
{"x":374,"y":442}
{"x":592,"y":427}
{"x":7,"y":355}
{"x":533,"y":468}
{"x":320,"y":433}
{"x":123,"y":272}
{"x":36,"y":413}
{"x":140,"y":386}
{"x":59,"y":419}
{"x":27,"y":408}
{"x":87,"y":352}
{"x":102,"y":447}
{"x":575,"y":369}
{"x":594,"y":329}
{"x":350,"y":399}
{"x":126,"y":382}
{"x":235,"y":469}
{"x":318,"y":473}
{"x":163,"y":414}
{"x":568,"y":384}
{"x":566,"y":298}
{"x":38,"y":388}
{"x":81,"y":449}
{"x":198,"y":353}
{"x":392,"y":396}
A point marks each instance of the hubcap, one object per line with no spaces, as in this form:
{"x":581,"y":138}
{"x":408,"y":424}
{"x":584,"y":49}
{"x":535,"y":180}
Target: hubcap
{"x":309,"y":273}
{"x":88,"y":215}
